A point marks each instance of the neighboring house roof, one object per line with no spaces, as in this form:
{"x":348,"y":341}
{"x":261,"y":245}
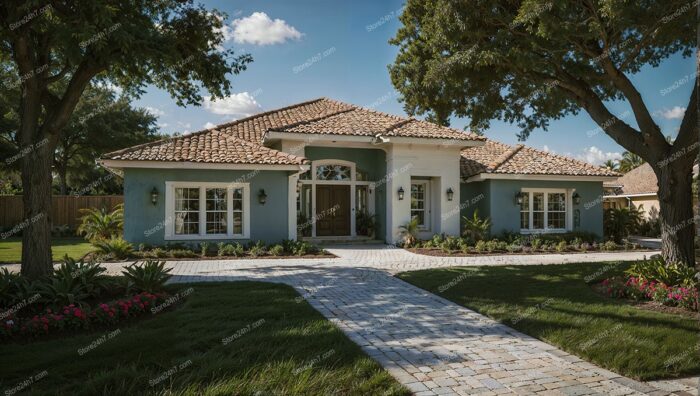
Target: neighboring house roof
{"x":241,"y":141}
{"x":210,"y":147}
{"x":499,"y":158}
{"x":640,"y":180}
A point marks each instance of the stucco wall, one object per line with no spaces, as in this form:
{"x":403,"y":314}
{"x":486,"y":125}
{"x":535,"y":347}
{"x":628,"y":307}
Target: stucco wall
{"x":372,"y":161}
{"x":500,"y":203}
{"x":267,"y":222}
{"x":474,"y":196}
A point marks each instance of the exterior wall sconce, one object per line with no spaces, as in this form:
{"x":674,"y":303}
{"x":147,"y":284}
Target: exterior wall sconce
{"x":401,"y":193}
{"x":154,"y":196}
{"x":576,"y":198}
{"x":519,"y":198}
{"x":450,"y":194}
{"x":262,"y":197}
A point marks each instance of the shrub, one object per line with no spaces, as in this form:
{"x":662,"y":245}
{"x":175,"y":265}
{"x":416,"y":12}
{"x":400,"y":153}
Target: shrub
{"x":435,"y":241}
{"x":115,"y":247}
{"x":182,"y":253}
{"x":641,"y":289}
{"x":464,"y":245}
{"x":585,"y":247}
{"x":562,"y":246}
{"x":620,"y":223}
{"x":159,"y":253}
{"x":60,"y":291}
{"x":450,"y":244}
{"x":257,"y":249}
{"x":609,"y":246}
{"x":276,"y":250}
{"x":536,"y":244}
{"x":409,"y":232}
{"x":492,"y":245}
{"x":576,"y":243}
{"x":475,"y":227}
{"x":227,"y":249}
{"x":515,"y":248}
{"x":148,"y":276}
{"x":100,"y":224}
{"x":91,"y":276}
{"x":480,"y":246}
{"x":299,"y":248}
{"x":657,"y":270}
{"x":8,"y":287}
{"x":204,"y":249}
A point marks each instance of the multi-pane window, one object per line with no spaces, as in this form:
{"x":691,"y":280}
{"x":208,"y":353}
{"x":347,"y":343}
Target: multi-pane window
{"x":206,"y":210}
{"x":419,"y":203}
{"x":543,"y":211}
{"x":333,"y":172}
{"x":238,"y":211}
{"x":186,"y":211}
{"x":216,"y":211}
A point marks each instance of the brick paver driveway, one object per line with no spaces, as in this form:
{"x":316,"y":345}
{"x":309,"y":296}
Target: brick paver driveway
{"x":429,"y":344}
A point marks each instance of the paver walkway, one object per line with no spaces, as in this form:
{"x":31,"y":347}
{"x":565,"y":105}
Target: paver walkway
{"x":429,"y":344}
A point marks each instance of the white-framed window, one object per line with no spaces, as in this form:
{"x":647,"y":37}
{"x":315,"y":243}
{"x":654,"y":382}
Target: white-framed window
{"x":197,"y":210}
{"x":420,"y":203}
{"x":545,"y":210}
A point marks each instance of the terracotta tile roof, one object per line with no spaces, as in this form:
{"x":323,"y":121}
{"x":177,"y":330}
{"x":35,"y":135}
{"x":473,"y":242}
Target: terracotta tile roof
{"x":210,"y":146}
{"x":495,"y":157}
{"x":640,"y":180}
{"x":319,"y":116}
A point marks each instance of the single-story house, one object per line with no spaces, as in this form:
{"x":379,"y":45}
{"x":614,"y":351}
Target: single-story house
{"x":324,"y":169}
{"x":637,"y":189}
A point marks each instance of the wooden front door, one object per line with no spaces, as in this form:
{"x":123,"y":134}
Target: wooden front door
{"x":332,"y":210}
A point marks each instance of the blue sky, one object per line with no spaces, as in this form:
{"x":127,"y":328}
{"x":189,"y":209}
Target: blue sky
{"x":306,"y":49}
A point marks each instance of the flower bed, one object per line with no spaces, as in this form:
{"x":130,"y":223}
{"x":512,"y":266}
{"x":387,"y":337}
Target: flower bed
{"x":640,"y":290}
{"x":73,"y":318}
{"x":453,"y":246}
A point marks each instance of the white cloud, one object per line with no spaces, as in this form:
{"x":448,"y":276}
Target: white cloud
{"x":596,"y":156}
{"x":209,"y":125}
{"x":240,"y":104}
{"x":155,"y":111}
{"x":676,"y":113}
{"x":259,"y":29}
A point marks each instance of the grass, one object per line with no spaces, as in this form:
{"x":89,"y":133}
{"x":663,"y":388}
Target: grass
{"x":554,"y":303}
{"x":278,"y":346}
{"x":11,"y":249}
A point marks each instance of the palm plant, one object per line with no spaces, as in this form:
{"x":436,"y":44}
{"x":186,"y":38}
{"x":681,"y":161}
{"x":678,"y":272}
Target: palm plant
{"x":100,"y":224}
{"x":613,"y":165}
{"x":476,"y":228}
{"x":150,"y":276}
{"x":409,"y":232}
{"x":630,"y":161}
{"x":620,"y":223}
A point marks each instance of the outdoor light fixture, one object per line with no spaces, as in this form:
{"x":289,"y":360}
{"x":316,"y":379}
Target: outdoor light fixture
{"x":154,"y":196}
{"x":519,"y":198}
{"x":400,"y":193}
{"x":577,"y":198}
{"x":450,"y":194}
{"x":262,"y":197}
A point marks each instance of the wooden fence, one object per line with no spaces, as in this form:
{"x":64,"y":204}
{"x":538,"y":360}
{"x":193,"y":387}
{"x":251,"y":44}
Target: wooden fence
{"x":65,"y":209}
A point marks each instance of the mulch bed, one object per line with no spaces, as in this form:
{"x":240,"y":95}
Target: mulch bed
{"x":441,"y":253}
{"x":649,"y":305}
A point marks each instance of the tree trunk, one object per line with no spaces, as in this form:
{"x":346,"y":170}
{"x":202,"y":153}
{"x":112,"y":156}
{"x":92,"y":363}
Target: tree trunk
{"x":62,"y":177}
{"x":36,"y":232}
{"x":676,"y":212}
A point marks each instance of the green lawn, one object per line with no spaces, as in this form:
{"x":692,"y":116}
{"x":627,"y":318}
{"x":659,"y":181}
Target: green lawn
{"x":11,"y":249}
{"x":555,"y":304}
{"x":277,"y":346}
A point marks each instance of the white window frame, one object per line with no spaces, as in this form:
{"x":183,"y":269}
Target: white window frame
{"x":545,"y":191}
{"x":169,"y":222}
{"x":427,"y":216}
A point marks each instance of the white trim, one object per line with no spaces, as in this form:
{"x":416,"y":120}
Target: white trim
{"x":427,"y":209}
{"x":509,"y":176}
{"x":170,"y":210}
{"x":376,"y":140}
{"x":118,"y":164}
{"x":630,"y":195}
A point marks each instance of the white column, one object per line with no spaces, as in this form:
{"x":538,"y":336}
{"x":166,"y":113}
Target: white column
{"x":292,"y":206}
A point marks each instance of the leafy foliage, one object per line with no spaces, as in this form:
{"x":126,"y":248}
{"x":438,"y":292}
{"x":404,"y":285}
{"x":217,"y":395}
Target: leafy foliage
{"x":409,"y":232}
{"x":100,"y":224}
{"x":149,"y":276}
{"x":475,"y":227}
{"x":113,"y":248}
{"x":618,"y":223}
{"x":657,"y":270}
{"x":365,"y":223}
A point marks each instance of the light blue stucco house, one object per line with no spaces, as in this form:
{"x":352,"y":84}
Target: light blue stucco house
{"x":320,"y":169}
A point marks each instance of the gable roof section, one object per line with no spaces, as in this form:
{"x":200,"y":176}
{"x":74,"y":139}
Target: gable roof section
{"x":319,"y":116}
{"x":499,"y":158}
{"x":210,"y":147}
{"x":640,"y":180}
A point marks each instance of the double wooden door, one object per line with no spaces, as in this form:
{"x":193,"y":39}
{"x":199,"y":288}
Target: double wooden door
{"x":332,"y":210}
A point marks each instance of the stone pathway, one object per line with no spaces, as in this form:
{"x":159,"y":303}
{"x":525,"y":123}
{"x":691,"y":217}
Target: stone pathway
{"x":429,"y":344}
